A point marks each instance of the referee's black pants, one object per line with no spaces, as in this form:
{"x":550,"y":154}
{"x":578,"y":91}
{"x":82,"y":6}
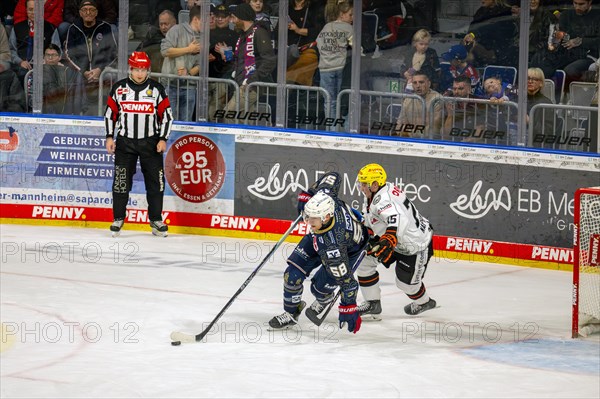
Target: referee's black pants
{"x":127,"y":153}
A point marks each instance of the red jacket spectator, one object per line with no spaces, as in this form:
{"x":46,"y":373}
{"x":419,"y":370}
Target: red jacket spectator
{"x":53,"y":11}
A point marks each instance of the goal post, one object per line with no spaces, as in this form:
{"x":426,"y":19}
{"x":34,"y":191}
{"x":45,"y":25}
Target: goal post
{"x":586,"y":263}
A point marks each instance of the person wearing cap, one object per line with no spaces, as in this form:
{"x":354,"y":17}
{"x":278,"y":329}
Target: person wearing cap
{"x":222,"y":15}
{"x":221,"y":36}
{"x":90,"y":47}
{"x":254,"y":59}
{"x":138,"y":122}
{"x":107,"y":11}
{"x":459,"y":66}
{"x":222,"y":43}
{"x":180,"y":48}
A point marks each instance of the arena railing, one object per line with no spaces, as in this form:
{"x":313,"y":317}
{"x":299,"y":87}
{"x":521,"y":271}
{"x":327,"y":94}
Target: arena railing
{"x":476,"y":121}
{"x":574,"y":128}
{"x":220,"y":90}
{"x":379,"y":111}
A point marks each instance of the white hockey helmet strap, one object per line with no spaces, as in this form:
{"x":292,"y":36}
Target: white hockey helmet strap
{"x":319,"y":206}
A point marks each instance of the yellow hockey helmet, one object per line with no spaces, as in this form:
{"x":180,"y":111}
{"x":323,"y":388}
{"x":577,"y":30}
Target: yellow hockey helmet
{"x":372,"y":172}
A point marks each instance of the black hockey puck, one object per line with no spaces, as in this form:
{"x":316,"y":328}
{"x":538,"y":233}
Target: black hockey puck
{"x":176,"y":343}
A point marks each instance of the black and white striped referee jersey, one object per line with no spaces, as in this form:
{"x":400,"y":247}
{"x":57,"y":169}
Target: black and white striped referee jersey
{"x":138,"y":111}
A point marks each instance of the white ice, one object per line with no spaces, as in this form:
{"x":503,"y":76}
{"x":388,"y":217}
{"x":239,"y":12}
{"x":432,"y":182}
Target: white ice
{"x":87,"y":315}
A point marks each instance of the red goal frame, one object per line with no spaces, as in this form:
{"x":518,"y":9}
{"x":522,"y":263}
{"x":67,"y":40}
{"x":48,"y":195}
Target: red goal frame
{"x":576,"y":256}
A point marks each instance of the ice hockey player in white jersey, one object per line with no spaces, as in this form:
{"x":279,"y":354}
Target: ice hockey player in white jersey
{"x":401,"y":235}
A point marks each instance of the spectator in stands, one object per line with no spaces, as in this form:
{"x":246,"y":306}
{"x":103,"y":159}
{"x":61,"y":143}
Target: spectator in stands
{"x":21,"y":42}
{"x":497,"y":91}
{"x":333,"y":43}
{"x":543,"y":120}
{"x":306,"y":20}
{"x":461,"y":115}
{"x":60,"y":84}
{"x":254,"y":59}
{"x":90,"y":47}
{"x":180,"y":48}
{"x":542,"y":20}
{"x":151,"y":44}
{"x":500,"y":117}
{"x":142,"y":17}
{"x":53,"y":11}
{"x":263,"y":19}
{"x":423,"y":58}
{"x":579,"y":35}
{"x":412,"y":110}
{"x":222,"y":43}
{"x":492,"y":35}
{"x":459,"y":66}
{"x":12,"y":96}
{"x":107,"y":12}
{"x":221,"y":39}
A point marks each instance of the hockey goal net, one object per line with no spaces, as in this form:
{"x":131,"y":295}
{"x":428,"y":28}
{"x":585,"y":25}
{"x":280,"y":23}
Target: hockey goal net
{"x":586,"y":265}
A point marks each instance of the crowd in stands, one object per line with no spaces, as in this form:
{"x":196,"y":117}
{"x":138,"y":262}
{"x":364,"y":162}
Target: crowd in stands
{"x":80,"y":41}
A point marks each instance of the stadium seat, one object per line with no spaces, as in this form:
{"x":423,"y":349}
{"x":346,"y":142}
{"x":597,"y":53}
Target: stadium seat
{"x":559,"y":79}
{"x":581,"y":93}
{"x":549,"y":90}
{"x":506,"y":73}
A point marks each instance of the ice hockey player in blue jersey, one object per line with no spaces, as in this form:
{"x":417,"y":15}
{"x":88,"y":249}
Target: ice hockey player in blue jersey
{"x":335,"y":246}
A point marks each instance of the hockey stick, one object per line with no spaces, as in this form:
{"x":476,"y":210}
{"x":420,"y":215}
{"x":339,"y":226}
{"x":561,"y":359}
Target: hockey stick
{"x":179,"y":337}
{"x":314,"y":317}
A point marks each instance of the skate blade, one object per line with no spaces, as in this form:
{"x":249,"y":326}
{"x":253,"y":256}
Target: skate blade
{"x":272,"y":329}
{"x":115,"y":234}
{"x":371,"y":317}
{"x":159,"y":233}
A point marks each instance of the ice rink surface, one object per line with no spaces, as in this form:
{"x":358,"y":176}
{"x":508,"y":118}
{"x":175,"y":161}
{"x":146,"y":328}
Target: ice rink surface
{"x":87,"y":315}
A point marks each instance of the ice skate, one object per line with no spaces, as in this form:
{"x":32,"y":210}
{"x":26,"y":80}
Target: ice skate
{"x":286,"y":319}
{"x":159,"y":228}
{"x":116,"y":226}
{"x":414,"y":309}
{"x":312,"y":313}
{"x":371,"y":309}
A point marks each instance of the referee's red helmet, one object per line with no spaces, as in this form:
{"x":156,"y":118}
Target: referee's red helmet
{"x":139,"y":59}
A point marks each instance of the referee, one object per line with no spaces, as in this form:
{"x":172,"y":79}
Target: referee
{"x":138,"y":121}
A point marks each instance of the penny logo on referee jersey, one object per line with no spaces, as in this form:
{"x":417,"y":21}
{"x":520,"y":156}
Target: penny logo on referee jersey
{"x":195,"y":168}
{"x":137,"y":107}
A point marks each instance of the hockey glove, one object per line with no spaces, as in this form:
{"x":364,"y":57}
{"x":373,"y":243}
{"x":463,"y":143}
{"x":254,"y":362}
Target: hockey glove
{"x":349,"y":315}
{"x":303,"y":198}
{"x":373,"y":240}
{"x":384,"y":248}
